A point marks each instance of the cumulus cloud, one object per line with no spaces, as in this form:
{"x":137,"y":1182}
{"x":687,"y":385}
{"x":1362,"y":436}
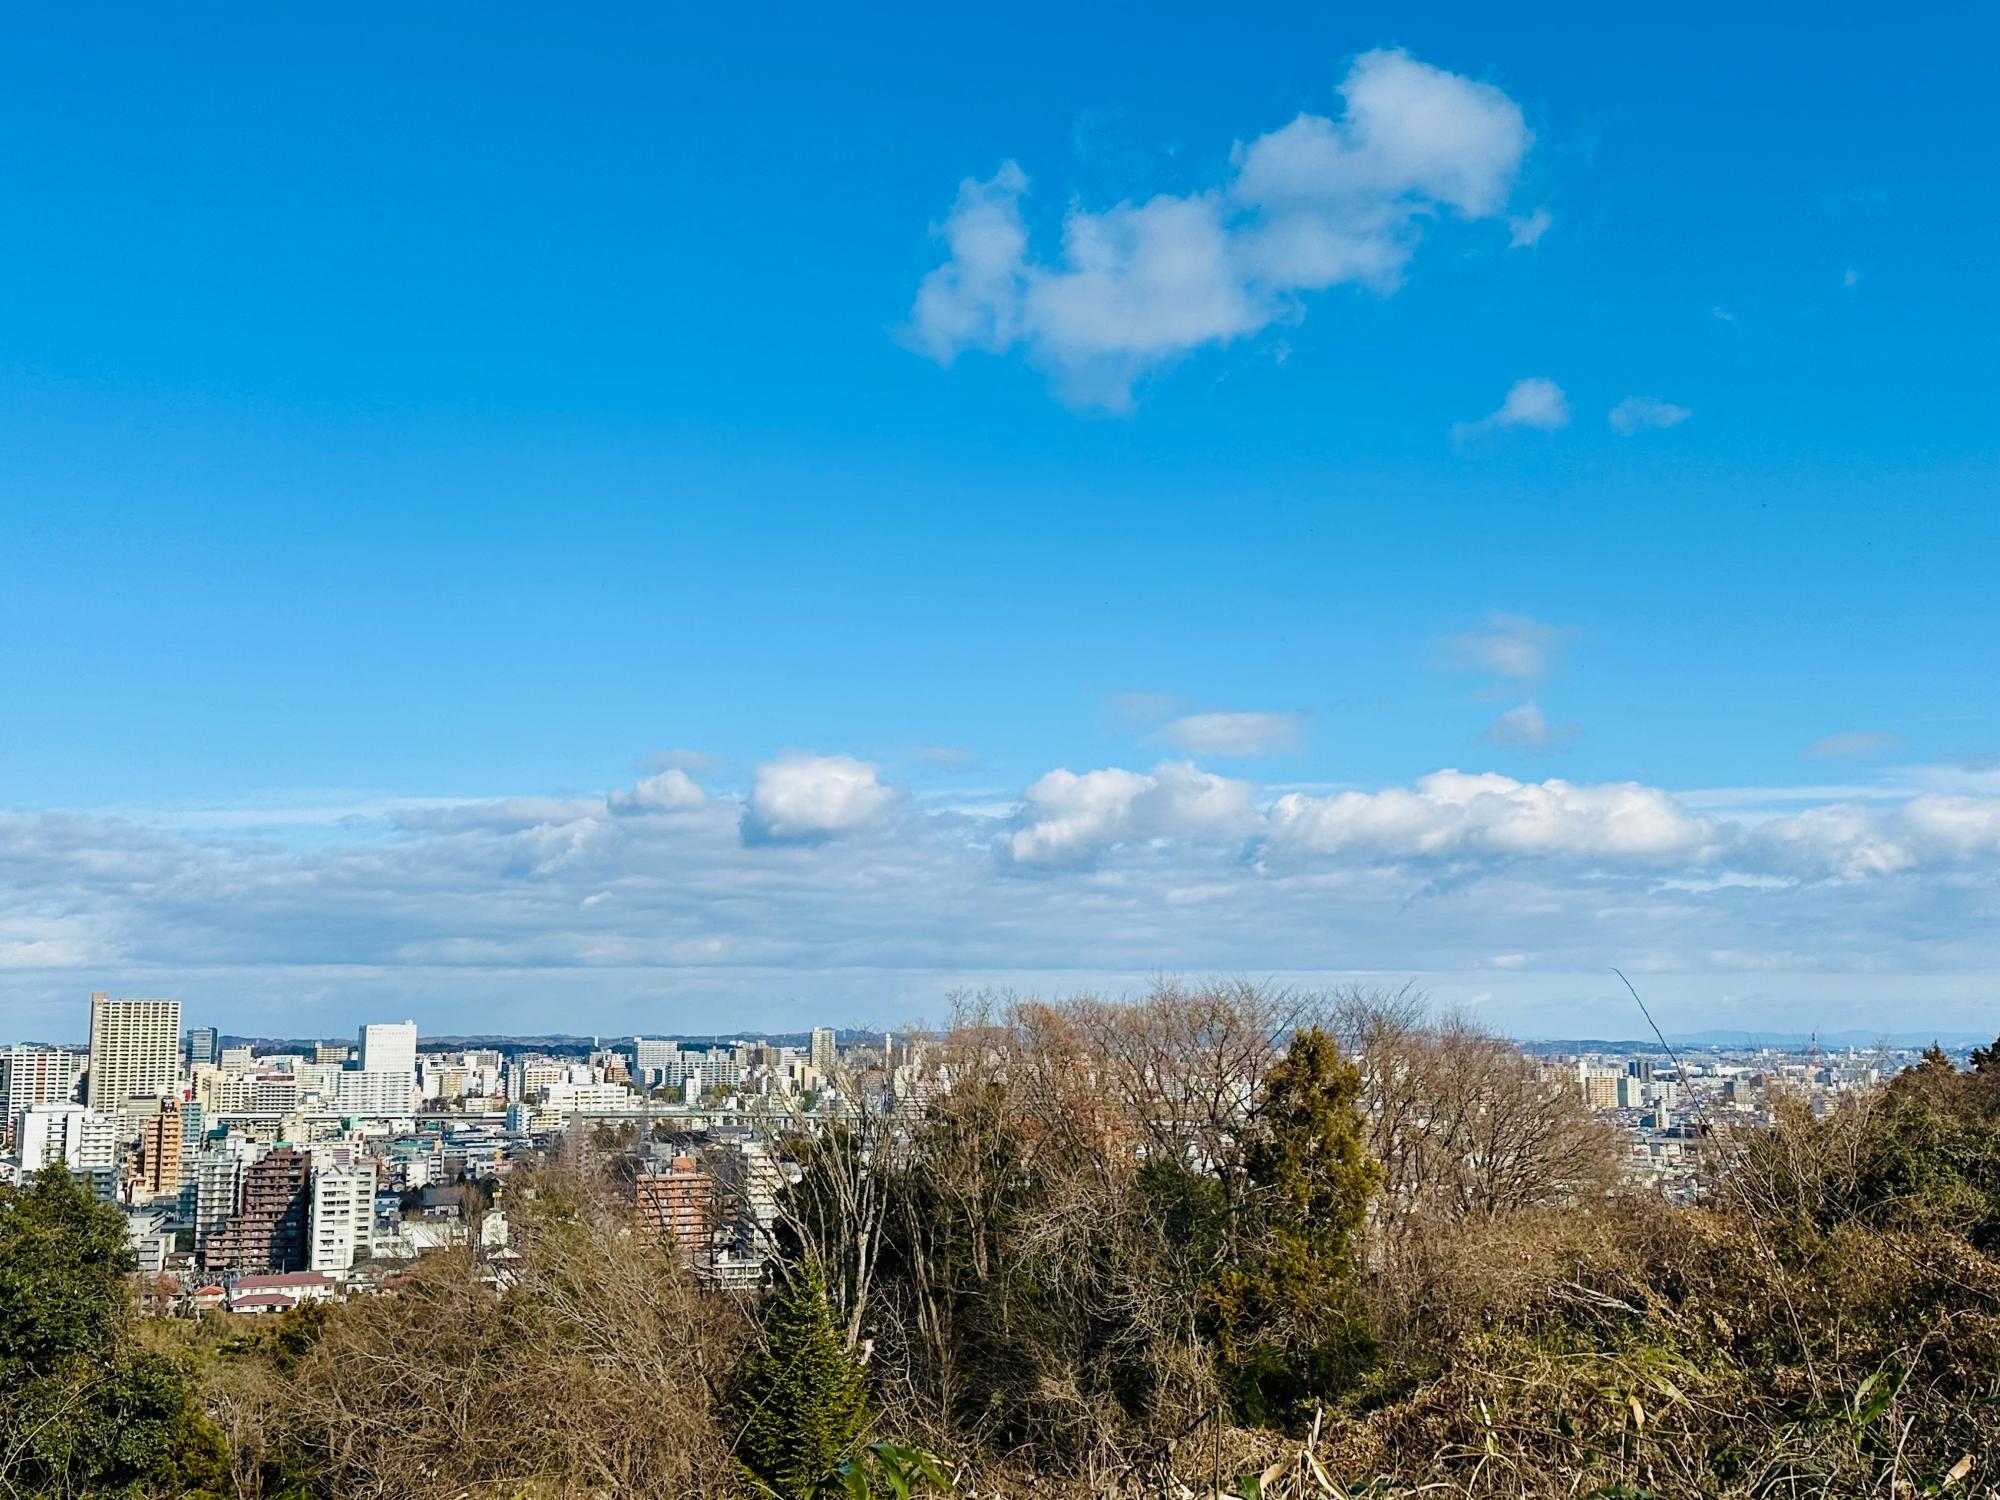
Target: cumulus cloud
{"x":1536,"y":402}
{"x":1851,"y":841}
{"x":1507,"y":645}
{"x":1852,"y":743}
{"x":672,"y":790}
{"x":809,"y":797}
{"x":1069,"y":819}
{"x":1317,"y":203}
{"x":1636,"y":414}
{"x":1235,"y":734}
{"x":1526,"y":727}
{"x":1453,"y":814}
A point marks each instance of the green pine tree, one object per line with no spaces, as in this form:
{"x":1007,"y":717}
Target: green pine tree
{"x":1289,"y":1333}
{"x":802,"y":1403}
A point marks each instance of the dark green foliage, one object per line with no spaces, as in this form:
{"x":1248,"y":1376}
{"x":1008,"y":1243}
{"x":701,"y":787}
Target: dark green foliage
{"x":101,"y":1417}
{"x":802,"y":1404}
{"x":1284,"y":1311}
{"x":63,"y":1264}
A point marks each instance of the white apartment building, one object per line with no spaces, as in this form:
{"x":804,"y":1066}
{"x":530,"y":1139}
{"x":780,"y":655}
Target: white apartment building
{"x":343,"y":1217}
{"x":653,"y":1060}
{"x":71,"y":1135}
{"x":590,"y":1098}
{"x":33,"y":1075}
{"x":218,"y":1177}
{"x":135,"y":1049}
{"x":377,"y":1094}
{"x":274,"y":1091}
{"x":224,"y":1093}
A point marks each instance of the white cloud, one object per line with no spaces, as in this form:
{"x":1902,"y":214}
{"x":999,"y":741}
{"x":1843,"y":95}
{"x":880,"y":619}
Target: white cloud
{"x":1508,"y":645}
{"x":672,"y":790}
{"x":1236,"y":734}
{"x":809,"y":797}
{"x":531,"y":912}
{"x":1535,"y":401}
{"x":1853,"y":742}
{"x":1069,"y":818}
{"x":1452,"y":814}
{"x":1636,"y":414}
{"x":1526,"y":727}
{"x":1527,"y":229}
{"x":1852,"y":841}
{"x":1313,"y":204}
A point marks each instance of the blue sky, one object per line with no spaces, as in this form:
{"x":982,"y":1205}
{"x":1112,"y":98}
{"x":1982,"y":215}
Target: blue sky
{"x":416,"y":431}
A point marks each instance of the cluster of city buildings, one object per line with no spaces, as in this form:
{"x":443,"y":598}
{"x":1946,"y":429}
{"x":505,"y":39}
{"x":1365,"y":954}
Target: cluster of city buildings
{"x":1666,"y":1104}
{"x":256,"y":1177}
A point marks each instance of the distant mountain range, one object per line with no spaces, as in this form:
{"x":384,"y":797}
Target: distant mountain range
{"x":1788,"y":1040}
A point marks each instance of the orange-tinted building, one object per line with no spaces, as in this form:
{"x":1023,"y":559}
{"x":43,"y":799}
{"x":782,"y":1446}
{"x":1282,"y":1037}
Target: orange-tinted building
{"x":678,"y":1207}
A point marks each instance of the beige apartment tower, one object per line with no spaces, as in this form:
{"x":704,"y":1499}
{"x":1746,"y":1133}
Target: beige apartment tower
{"x":135,"y":1048}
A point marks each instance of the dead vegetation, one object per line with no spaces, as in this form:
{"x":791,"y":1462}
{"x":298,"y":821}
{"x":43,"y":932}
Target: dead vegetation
{"x":1038,"y":1268}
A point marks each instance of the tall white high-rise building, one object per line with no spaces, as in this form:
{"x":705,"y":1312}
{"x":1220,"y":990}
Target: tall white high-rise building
{"x":343,"y":1217}
{"x":387,"y":1061}
{"x":32,"y":1075}
{"x":135,"y":1048}
{"x":389,"y":1047}
{"x":70,"y":1134}
{"x":824,"y":1050}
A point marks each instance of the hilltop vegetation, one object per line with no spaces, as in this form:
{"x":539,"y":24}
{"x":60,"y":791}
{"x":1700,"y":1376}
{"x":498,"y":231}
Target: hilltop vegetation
{"x":1132,"y":1250}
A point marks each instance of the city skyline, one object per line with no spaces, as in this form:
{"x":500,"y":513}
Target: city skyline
{"x":1339,"y":498}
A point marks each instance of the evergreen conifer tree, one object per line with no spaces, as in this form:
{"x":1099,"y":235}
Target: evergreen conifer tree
{"x":1288,"y":1332}
{"x":802,"y":1403}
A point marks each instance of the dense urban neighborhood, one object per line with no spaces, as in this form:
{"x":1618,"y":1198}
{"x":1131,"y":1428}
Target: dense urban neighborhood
{"x":257,"y":1175}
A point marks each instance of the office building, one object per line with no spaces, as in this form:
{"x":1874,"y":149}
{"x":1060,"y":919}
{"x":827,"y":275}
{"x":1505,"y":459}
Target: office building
{"x":135,"y":1048}
{"x":201,"y":1047}
{"x":388,"y":1051}
{"x":389,"y":1047}
{"x":194,"y":1135}
{"x":30,"y":1076}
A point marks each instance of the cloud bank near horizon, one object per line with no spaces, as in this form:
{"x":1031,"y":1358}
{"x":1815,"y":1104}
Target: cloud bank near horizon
{"x":820,"y":865}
